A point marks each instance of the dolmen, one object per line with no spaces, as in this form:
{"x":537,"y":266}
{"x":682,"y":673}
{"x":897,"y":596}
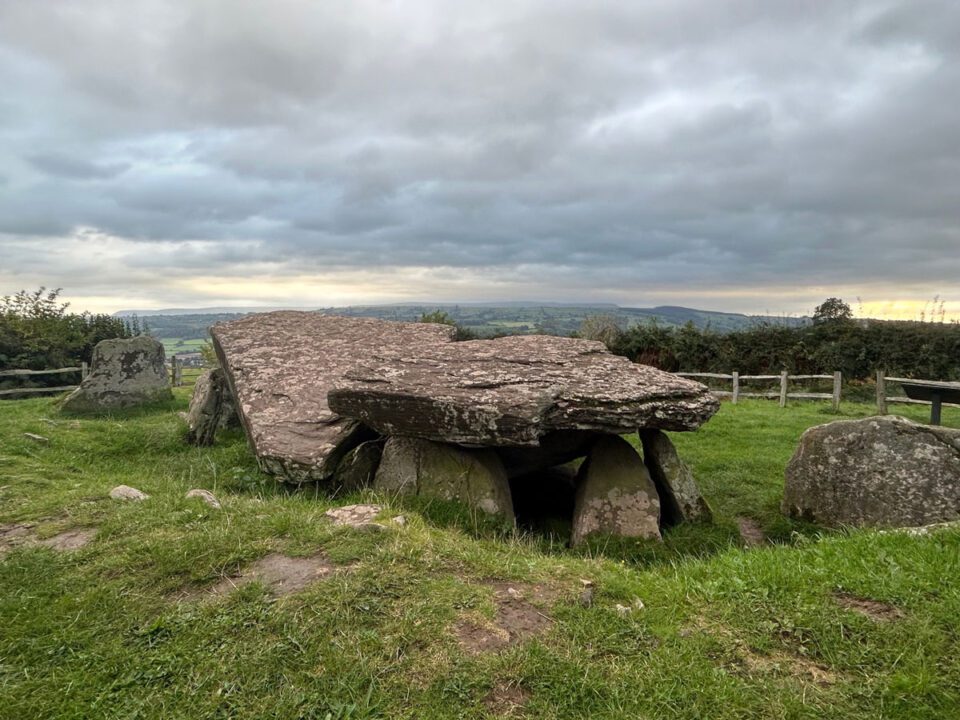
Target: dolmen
{"x":124,"y":373}
{"x":403,"y":407}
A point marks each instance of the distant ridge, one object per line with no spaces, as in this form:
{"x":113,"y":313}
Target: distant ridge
{"x":506,"y":318}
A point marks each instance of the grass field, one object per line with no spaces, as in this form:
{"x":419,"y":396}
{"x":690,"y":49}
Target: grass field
{"x":172,"y":346}
{"x":416,"y":621}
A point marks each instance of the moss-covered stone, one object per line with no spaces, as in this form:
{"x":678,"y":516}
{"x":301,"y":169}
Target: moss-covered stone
{"x":446,"y":472}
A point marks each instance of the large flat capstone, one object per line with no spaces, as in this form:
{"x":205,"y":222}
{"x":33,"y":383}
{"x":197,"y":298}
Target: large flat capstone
{"x":280,"y":367}
{"x":512,"y":391}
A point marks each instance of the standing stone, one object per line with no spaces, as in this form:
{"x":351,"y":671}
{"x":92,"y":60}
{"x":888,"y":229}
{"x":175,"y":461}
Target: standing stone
{"x":125,"y":372}
{"x":680,"y":498}
{"x":358,"y":467}
{"x":880,"y":471}
{"x":615,"y":495}
{"x":209,"y":404}
{"x":410,"y":466}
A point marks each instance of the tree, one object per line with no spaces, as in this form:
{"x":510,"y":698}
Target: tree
{"x":600,"y":327}
{"x":832,"y":310}
{"x":440,"y":317}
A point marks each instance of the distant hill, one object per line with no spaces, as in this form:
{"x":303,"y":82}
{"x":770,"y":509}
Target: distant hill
{"x":178,"y":326}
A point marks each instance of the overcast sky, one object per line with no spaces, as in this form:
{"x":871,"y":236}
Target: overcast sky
{"x":751,"y":156}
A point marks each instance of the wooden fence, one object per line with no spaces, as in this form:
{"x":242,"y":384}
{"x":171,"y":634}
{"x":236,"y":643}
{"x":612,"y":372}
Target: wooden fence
{"x":82,"y":369}
{"x":181,"y":375}
{"x":783,"y":393}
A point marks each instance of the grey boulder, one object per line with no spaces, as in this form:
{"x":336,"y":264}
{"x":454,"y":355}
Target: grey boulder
{"x":880,"y":471}
{"x":125,"y":372}
{"x":211,"y":408}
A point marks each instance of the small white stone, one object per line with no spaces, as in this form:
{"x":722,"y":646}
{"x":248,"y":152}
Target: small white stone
{"x":514,"y":593}
{"x":36,"y":438}
{"x":208,"y":497}
{"x":125,"y":492}
{"x":622,"y":610}
{"x":400,"y":520}
{"x":638,"y":604}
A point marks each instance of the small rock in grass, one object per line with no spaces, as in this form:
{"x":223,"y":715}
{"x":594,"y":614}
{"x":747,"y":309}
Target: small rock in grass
{"x":623,"y":610}
{"x":125,"y":492}
{"x":355,"y":516}
{"x":36,"y":438}
{"x":206,"y":496}
{"x":400,"y":520}
{"x":514,"y":593}
{"x":586,"y":597}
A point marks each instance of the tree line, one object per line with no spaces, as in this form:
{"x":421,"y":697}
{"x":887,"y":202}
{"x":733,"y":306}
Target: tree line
{"x":833,"y":340}
{"x":37,"y":332}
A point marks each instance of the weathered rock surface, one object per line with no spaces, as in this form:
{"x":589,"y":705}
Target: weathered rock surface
{"x":280,"y":367}
{"x":555,"y":449}
{"x":358,"y":467}
{"x":125,"y":492}
{"x":880,"y":471}
{"x":356,"y":516}
{"x":512,"y":391}
{"x":211,"y":407}
{"x":680,"y":498}
{"x":124,"y":373}
{"x":615,"y":495}
{"x":205,"y":496}
{"x":411,"y":466}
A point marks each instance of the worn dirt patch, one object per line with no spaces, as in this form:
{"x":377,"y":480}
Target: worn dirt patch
{"x":873,"y":609}
{"x":750,"y":532}
{"x":801,"y":668}
{"x":69,"y":540}
{"x":13,"y":535}
{"x":506,"y":700}
{"x":281,"y":574}
{"x":521,"y":614}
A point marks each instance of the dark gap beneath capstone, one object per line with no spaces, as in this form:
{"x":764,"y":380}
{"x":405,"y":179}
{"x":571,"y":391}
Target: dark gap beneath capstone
{"x":543,"y":501}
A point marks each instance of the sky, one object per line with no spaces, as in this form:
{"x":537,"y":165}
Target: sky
{"x":744,"y":155}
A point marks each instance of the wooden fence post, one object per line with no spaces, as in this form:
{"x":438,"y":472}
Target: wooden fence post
{"x":783,"y":388}
{"x":837,"y":382}
{"x":84,"y":370}
{"x":881,"y":392}
{"x":179,"y":372}
{"x":736,"y":387}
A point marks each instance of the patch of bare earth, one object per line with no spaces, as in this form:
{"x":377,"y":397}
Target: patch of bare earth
{"x":281,"y":574}
{"x":506,"y":700}
{"x":69,"y":540}
{"x":521,"y":614}
{"x":783,"y":664}
{"x":750,"y":532}
{"x":873,"y":609}
{"x":13,"y":535}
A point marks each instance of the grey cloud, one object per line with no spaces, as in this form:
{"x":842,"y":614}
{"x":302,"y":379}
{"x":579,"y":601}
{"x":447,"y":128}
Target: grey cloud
{"x":603,"y":144}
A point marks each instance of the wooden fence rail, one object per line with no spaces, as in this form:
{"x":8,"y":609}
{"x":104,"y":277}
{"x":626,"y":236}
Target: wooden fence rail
{"x":783,"y":394}
{"x":179,"y":372}
{"x":82,"y":369}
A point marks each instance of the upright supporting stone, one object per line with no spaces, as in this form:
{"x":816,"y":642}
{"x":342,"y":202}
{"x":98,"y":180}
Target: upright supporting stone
{"x":411,"y":466}
{"x":680,"y":498}
{"x":358,"y":468}
{"x":211,"y":407}
{"x":615,"y":495}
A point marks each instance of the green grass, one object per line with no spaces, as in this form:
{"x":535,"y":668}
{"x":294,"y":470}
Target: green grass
{"x":182,"y":345}
{"x":724,"y":632}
